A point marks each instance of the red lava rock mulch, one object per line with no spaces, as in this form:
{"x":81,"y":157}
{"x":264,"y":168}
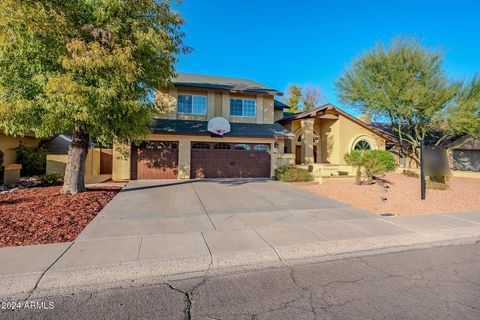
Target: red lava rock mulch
{"x":403,"y":195}
{"x":43,"y":215}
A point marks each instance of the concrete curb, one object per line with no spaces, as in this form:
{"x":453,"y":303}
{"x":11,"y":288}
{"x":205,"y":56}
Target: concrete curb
{"x":64,"y":281}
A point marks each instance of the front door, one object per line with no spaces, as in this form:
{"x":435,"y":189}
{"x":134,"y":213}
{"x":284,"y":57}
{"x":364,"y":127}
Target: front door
{"x":298,"y":154}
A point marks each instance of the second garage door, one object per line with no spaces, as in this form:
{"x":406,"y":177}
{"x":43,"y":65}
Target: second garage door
{"x":230,"y":160}
{"x":155,"y":160}
{"x":466,"y":160}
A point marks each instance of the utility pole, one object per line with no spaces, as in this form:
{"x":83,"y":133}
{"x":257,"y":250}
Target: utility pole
{"x":422,"y":173}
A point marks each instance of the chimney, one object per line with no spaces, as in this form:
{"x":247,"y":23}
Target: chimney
{"x":365,"y":118}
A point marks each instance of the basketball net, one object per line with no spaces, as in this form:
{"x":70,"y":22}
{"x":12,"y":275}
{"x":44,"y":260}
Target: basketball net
{"x":220,"y":132}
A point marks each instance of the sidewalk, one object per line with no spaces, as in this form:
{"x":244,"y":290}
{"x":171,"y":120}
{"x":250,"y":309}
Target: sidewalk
{"x":136,"y":260}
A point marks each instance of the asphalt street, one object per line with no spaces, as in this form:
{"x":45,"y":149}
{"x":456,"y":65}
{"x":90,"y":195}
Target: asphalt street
{"x":435,"y":283}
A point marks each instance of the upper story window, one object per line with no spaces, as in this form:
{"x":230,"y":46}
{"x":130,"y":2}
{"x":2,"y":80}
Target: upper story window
{"x":192,"y":104}
{"x":243,"y":108}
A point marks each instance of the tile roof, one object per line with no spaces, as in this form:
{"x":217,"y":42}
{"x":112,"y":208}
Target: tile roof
{"x":222,"y":83}
{"x":313,"y":113}
{"x":196,"y":127}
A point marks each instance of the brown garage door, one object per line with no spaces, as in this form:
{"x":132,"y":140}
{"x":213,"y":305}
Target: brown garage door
{"x":230,"y":160}
{"x":155,"y":160}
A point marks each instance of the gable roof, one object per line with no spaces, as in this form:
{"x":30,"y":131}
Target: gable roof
{"x":199,"y":127}
{"x":222,"y":83}
{"x":322,"y":109}
{"x":280,"y":105}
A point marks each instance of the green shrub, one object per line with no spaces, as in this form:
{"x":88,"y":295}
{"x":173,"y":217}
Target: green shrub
{"x":33,"y":160}
{"x":292,"y":174}
{"x":369,"y":163}
{"x":410,"y":174}
{"x":385,"y":157}
{"x":51,"y":179}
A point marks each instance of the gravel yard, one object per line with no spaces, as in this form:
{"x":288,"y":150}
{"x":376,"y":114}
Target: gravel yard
{"x":403,"y":195}
{"x":43,"y":215}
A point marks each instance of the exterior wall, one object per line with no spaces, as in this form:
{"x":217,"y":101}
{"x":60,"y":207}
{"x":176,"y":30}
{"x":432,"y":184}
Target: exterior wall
{"x":11,"y":173}
{"x":121,"y":164}
{"x":121,"y":161}
{"x":350,"y":132}
{"x":286,"y":159}
{"x":277,"y":114}
{"x":58,"y":162}
{"x":8,"y":143}
{"x":218,"y":105}
{"x":329,"y":140}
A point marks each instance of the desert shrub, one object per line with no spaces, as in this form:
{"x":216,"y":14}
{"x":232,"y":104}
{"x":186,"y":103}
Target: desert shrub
{"x":433,"y":185}
{"x":51,"y":179}
{"x":385,"y":157}
{"x":292,"y":174}
{"x":369,"y":163}
{"x":410,"y":174}
{"x":33,"y":159}
{"x":355,"y":159}
{"x":437,"y":182}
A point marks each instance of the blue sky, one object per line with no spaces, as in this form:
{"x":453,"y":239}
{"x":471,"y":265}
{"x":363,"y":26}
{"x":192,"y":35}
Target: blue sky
{"x":309,"y":42}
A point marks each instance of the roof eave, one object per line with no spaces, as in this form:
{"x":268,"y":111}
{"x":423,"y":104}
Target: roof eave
{"x":272,"y":92}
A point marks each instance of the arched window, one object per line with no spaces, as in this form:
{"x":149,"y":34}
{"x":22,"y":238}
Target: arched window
{"x":362,"y":145}
{"x":300,"y":138}
{"x":261,"y":147}
{"x":242,"y":146}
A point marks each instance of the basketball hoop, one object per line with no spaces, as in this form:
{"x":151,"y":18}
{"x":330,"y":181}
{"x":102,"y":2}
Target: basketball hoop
{"x":218,"y":126}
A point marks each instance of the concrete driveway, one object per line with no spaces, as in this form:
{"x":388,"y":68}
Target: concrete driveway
{"x":157,"y":229}
{"x":160,"y":207}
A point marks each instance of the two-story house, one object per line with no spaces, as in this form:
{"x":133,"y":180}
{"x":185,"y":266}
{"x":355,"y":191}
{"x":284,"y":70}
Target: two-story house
{"x":261,"y":136}
{"x":181,"y":147}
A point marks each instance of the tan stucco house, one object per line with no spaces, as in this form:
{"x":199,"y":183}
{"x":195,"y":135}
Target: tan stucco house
{"x":261,"y":138}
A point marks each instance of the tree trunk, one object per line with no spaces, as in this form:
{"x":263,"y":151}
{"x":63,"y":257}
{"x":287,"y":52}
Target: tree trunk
{"x":74,"y":180}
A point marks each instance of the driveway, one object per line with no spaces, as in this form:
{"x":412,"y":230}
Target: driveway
{"x":155,"y":229}
{"x":159,"y":207}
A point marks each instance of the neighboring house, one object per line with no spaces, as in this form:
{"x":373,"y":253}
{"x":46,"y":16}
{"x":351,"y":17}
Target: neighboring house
{"x":261,"y":137}
{"x":9,"y":143}
{"x":464,"y":154}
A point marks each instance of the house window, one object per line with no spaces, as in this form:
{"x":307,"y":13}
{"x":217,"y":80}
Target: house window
{"x":192,"y":104}
{"x":200,"y":145}
{"x":242,"y":146}
{"x":243,"y":108}
{"x":221,"y":146}
{"x":261,"y":147}
{"x":362,"y":145}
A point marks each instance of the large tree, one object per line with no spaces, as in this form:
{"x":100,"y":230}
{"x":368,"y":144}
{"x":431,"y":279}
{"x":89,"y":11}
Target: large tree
{"x":405,"y":83}
{"x":299,"y":98}
{"x":311,"y":98}
{"x":86,"y":66}
{"x":294,"y":96}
